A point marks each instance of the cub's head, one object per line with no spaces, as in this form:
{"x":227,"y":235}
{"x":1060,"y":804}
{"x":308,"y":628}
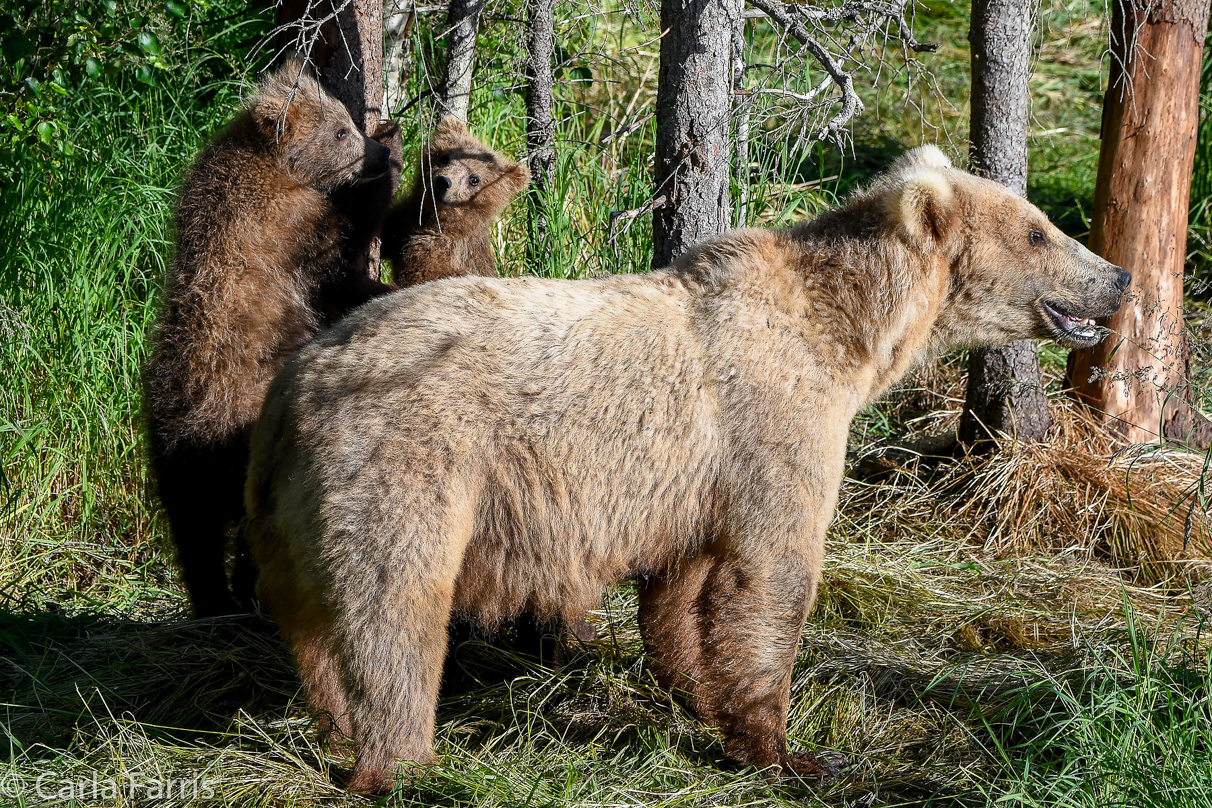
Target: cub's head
{"x":1013,"y":274}
{"x":317,"y":141}
{"x":459,"y":171}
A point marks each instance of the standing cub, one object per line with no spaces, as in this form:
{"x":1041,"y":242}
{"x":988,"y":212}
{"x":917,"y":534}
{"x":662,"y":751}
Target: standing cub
{"x":271,"y":226}
{"x":440,"y":230}
{"x":481,"y":447}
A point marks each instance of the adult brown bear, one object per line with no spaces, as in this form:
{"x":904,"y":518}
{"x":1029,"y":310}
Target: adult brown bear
{"x":482,"y":447}
{"x":271,"y":226}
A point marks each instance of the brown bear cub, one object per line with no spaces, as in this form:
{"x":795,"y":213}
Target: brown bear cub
{"x":481,"y":447}
{"x":271,"y":225}
{"x":440,"y":229}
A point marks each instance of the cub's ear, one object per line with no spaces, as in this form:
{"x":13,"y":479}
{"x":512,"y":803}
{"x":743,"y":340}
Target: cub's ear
{"x":449,"y":127}
{"x":278,"y":91}
{"x":519,"y":176}
{"x":922,"y":204}
{"x":273,"y":114}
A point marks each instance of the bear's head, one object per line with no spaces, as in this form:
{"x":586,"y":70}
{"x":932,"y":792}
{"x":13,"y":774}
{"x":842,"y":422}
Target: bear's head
{"x":461,"y":172}
{"x":317,"y":142}
{"x":1013,"y":274}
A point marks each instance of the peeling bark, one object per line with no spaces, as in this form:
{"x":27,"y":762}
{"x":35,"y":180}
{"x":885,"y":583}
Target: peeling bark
{"x":1139,"y":378}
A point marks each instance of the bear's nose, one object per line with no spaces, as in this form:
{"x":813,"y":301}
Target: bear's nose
{"x":1123,"y":279}
{"x":379,"y":156}
{"x":441,"y":185}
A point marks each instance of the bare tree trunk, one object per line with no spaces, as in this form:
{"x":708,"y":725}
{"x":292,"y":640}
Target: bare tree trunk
{"x":1139,"y":377}
{"x":348,"y":56}
{"x":740,"y":122}
{"x":398,"y":19}
{"x":540,"y":128}
{"x":463,"y":23}
{"x":1005,"y":390}
{"x":694,"y":102}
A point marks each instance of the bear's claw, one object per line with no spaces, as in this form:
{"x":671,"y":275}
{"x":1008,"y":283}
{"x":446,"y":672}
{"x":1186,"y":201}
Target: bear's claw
{"x":821,"y":766}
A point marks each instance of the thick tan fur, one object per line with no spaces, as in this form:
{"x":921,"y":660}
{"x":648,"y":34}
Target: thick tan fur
{"x":440,"y":230}
{"x":271,"y":226}
{"x":482,"y":447}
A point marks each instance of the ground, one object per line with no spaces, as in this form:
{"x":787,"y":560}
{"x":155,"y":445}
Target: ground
{"x":961,"y":652}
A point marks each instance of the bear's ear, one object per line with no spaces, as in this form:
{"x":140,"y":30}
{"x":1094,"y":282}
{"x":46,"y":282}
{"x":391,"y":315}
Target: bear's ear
{"x":280,"y":88}
{"x":922,"y":157}
{"x":519,"y":176}
{"x":272,"y":112}
{"x":448,"y":129}
{"x":922,"y":204}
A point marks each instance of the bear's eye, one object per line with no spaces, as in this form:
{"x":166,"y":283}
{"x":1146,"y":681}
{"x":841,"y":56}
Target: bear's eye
{"x":473,"y":180}
{"x":1037,"y":238}
{"x":342,"y":134}
{"x":444,"y":160}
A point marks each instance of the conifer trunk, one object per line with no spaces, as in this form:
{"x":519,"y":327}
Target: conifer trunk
{"x":693,"y":111}
{"x":463,"y":25}
{"x":348,"y":57}
{"x":540,"y":127}
{"x":1139,"y":377}
{"x":1005,"y":390}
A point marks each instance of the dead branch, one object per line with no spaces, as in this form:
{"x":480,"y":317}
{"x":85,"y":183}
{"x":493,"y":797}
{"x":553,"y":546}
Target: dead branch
{"x":629,"y":216}
{"x":865,"y":18}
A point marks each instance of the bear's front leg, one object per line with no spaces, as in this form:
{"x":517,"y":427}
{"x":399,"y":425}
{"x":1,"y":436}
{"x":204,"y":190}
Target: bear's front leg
{"x":724,"y":630}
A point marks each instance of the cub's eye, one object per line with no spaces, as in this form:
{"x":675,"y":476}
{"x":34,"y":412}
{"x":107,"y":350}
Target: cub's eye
{"x":473,"y":180}
{"x":1037,"y":238}
{"x":342,"y":134}
{"x":444,"y":160}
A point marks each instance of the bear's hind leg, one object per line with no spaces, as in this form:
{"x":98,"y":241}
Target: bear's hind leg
{"x":308,"y":628}
{"x":670,"y":627}
{"x":202,"y":492}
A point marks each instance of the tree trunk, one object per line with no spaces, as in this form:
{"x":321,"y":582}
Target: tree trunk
{"x":1139,"y":378}
{"x":1005,"y":391}
{"x":462,"y":23}
{"x":540,"y":128}
{"x":740,"y":115}
{"x":694,"y":102}
{"x":348,"y":56}
{"x":398,"y":19}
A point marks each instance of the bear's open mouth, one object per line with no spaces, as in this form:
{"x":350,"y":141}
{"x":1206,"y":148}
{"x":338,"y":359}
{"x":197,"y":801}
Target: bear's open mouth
{"x":1071,"y":330}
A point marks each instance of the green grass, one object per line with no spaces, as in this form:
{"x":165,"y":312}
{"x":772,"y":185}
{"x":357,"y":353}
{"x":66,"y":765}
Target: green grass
{"x":948,"y":674}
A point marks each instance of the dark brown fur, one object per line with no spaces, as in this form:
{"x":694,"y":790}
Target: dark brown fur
{"x":484,"y":446}
{"x":271,"y":226}
{"x":440,"y":230}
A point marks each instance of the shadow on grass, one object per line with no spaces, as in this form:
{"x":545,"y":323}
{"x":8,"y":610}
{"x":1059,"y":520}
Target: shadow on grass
{"x":183,"y":681}
{"x":180,"y":680}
